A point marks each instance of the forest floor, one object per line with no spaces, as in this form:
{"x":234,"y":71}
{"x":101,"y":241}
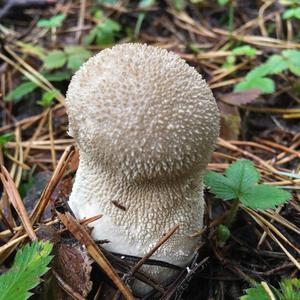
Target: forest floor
{"x":249,"y":54}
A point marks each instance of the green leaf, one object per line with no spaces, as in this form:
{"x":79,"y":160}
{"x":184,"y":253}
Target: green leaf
{"x":223,"y":2}
{"x":47,"y":98}
{"x":266,"y":85}
{"x":77,"y":55}
{"x":179,"y":4}
{"x":55,"y":59}
{"x":241,"y":182}
{"x":21,"y":90}
{"x":244,"y":50}
{"x":290,"y":289}
{"x":109,"y":2}
{"x":104,"y":33}
{"x":33,"y":50}
{"x":223,"y":234}
{"x":293,"y":60}
{"x":91,"y":37}
{"x":276,"y":64}
{"x":264,"y":197}
{"x":58,"y":76}
{"x":260,"y":71}
{"x":55,"y":21}
{"x":30,"y":264}
{"x":256,"y":293}
{"x":221,"y":186}
{"x":146,"y":3}
{"x":291,"y":13}
{"x":138,"y":24}
{"x":4,"y":138}
{"x":240,"y":177}
{"x":243,"y":174}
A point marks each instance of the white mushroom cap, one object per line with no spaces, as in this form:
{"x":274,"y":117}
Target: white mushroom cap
{"x":146,"y":124}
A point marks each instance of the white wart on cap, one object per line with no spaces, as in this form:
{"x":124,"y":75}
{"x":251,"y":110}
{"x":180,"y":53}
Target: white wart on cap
{"x":145,"y":123}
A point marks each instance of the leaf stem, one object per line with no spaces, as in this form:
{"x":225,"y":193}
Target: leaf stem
{"x":231,"y":19}
{"x":232,"y":213}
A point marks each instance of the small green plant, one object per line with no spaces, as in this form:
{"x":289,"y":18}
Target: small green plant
{"x":5,"y":138}
{"x":292,"y":13}
{"x":230,"y":16}
{"x":242,"y":50}
{"x":179,"y":4}
{"x":30,"y":264}
{"x":256,"y":78}
{"x":289,"y":290}
{"x":32,"y":50}
{"x":240,"y":184}
{"x":54,"y":22}
{"x":103,"y":33}
{"x":21,"y":90}
{"x":27,"y":87}
{"x":73,"y":56}
{"x":141,"y":16}
{"x":223,"y":234}
{"x":223,"y":2}
{"x":47,"y":98}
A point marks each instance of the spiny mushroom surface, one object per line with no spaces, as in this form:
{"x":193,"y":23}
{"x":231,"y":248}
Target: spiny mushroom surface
{"x":145,"y":123}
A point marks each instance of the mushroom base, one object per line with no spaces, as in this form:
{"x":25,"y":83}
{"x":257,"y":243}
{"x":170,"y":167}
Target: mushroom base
{"x":136,"y":216}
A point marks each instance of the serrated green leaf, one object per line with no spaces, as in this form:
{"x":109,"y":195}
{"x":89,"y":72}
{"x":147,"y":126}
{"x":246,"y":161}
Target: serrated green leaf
{"x":293,"y":60}
{"x":21,"y":90}
{"x":260,"y":71}
{"x":256,"y":293}
{"x":276,"y":64}
{"x":77,"y":55}
{"x":266,"y":85}
{"x":55,"y":59}
{"x":241,"y":182}
{"x":30,"y":264}
{"x":264,"y":196}
{"x":55,"y":21}
{"x":290,"y":289}
{"x":244,"y":50}
{"x":221,"y":186}
{"x":243,"y":175}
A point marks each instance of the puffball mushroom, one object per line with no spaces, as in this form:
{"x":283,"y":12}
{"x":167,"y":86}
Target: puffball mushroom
{"x":145,"y":123}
